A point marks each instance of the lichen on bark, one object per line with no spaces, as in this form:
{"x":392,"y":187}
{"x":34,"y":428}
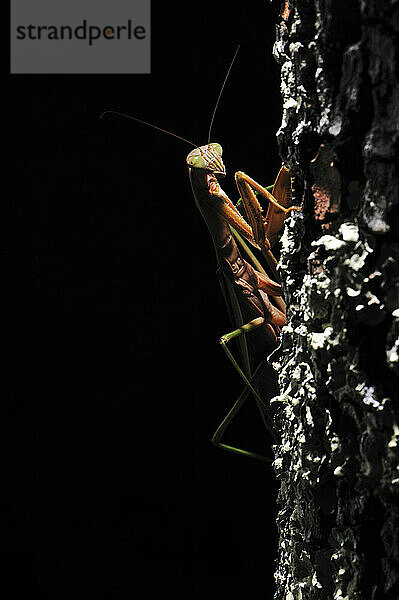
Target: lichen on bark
{"x":337,"y":412}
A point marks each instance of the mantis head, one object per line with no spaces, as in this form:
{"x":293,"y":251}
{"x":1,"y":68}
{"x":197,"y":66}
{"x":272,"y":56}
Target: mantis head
{"x":208,"y":158}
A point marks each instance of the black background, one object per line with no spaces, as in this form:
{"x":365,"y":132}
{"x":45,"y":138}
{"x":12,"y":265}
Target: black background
{"x":115,"y":378}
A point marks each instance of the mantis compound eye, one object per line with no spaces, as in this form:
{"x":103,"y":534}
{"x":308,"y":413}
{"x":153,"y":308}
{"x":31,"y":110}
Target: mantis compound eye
{"x":217,"y":148}
{"x":196,"y":161}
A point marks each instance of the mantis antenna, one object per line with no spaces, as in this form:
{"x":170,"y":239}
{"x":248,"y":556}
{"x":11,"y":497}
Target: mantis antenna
{"x":179,"y":137}
{"x":120,"y":114}
{"x":221,"y":92}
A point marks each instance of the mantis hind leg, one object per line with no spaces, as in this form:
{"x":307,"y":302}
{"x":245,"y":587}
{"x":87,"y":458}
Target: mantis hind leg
{"x":249,"y":389}
{"x":218,"y":435}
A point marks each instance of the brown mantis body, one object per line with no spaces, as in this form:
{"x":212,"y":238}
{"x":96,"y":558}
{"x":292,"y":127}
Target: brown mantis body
{"x":255,"y":299}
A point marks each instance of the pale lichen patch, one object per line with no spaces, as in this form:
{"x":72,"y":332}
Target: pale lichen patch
{"x":329,"y":242}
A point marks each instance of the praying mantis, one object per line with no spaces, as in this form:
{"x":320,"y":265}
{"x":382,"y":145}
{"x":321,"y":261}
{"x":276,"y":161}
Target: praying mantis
{"x":254,"y":300}
{"x":249,"y":291}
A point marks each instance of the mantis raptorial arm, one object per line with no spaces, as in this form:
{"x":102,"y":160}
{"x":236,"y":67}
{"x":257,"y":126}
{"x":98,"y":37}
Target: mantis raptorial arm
{"x":265,"y":229}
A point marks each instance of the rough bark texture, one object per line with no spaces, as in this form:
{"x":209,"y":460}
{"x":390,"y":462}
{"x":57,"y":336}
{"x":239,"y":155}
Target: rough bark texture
{"x":338,"y":407}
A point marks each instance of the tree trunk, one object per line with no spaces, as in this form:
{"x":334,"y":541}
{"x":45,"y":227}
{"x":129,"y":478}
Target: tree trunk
{"x":337,"y":411}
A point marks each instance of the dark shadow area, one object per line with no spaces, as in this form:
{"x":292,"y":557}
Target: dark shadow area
{"x":114,"y":379}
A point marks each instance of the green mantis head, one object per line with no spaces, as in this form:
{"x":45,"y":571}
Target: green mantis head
{"x":208,"y":158}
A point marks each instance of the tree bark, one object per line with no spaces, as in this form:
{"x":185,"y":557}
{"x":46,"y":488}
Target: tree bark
{"x":337,"y":411}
